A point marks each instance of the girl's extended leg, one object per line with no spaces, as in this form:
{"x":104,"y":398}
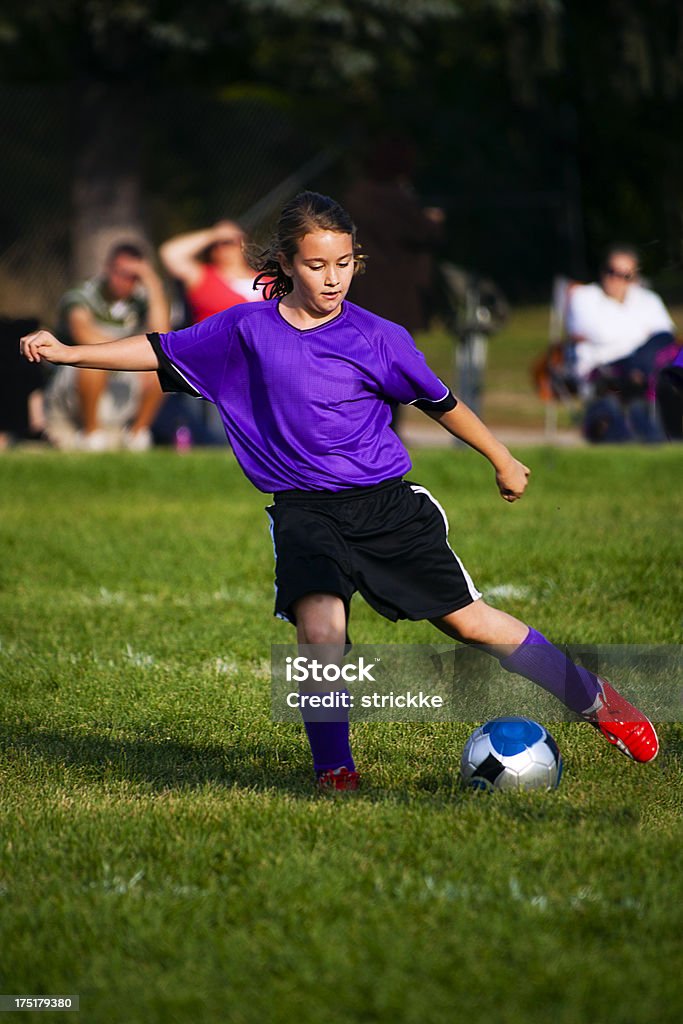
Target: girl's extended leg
{"x":523,"y":650}
{"x":321,"y":621}
{"x":527,"y":652}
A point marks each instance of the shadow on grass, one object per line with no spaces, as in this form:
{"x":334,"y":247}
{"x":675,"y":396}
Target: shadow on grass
{"x":165,"y":765}
{"x":161,"y":765}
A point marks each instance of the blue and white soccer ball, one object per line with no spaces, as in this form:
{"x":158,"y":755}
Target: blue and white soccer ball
{"x":511,"y":753}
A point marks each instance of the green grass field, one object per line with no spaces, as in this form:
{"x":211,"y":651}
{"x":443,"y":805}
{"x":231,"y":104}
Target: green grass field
{"x":163,"y":853}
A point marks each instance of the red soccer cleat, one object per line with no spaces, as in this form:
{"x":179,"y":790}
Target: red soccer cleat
{"x":338,"y":778}
{"x":623,"y":725}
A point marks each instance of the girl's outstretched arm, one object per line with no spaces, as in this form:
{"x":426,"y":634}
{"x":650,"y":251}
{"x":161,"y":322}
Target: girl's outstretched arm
{"x":512,"y":475}
{"x":134,"y":353}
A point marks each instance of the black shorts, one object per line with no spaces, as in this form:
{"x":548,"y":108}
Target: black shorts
{"x":389,"y":542}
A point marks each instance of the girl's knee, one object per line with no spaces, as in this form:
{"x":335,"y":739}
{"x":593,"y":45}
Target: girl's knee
{"x":320,"y":619}
{"x":320,"y":633}
{"x":474,"y":623}
{"x":479,"y":623}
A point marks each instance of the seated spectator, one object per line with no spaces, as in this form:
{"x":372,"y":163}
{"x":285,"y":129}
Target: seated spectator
{"x":212,"y":266}
{"x":128,"y":297}
{"x":617,"y":325}
{"x":622,"y":335}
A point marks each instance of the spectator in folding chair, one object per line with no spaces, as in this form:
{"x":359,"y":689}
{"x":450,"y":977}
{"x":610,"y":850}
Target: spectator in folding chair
{"x":622,"y":335}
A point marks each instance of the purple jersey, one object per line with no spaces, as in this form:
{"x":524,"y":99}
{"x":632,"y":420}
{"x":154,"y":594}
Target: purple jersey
{"x":303,"y":409}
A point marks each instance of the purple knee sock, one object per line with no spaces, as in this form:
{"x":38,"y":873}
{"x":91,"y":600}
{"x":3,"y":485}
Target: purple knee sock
{"x":329,"y":740}
{"x":538,"y":660}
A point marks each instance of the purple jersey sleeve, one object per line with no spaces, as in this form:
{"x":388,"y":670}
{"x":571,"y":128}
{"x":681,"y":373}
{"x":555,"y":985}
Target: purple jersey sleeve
{"x":401,"y":369}
{"x":199,"y":354}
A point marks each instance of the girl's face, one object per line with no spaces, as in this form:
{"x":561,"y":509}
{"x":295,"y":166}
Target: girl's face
{"x":321,"y":272}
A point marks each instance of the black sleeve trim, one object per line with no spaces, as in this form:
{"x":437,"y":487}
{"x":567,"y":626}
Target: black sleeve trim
{"x":443,"y":405}
{"x":169,"y":377}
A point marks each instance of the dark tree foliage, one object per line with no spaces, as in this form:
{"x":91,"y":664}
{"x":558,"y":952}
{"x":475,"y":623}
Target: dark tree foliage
{"x":546,"y":128}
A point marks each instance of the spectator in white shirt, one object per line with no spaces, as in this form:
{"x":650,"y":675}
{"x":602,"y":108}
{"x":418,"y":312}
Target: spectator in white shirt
{"x":619,"y":326}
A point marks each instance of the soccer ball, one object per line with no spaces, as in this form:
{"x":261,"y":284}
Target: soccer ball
{"x":511,"y":753}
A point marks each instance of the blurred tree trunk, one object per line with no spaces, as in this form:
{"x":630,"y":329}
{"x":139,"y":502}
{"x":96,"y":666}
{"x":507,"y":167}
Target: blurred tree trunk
{"x":107,"y":190}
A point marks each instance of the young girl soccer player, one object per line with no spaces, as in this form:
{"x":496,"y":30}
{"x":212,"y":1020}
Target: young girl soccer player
{"x":305,"y":383}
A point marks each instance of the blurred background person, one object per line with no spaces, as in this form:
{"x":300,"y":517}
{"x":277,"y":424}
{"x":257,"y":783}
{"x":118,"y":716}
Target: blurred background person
{"x":93,"y":409}
{"x":616,"y":324}
{"x":212,"y":267}
{"x":622,"y":334}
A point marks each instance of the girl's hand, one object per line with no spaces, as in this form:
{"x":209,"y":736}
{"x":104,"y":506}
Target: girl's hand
{"x":512,"y":479}
{"x":43,"y":345}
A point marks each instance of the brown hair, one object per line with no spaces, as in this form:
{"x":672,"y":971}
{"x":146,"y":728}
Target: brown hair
{"x":619,"y":249}
{"x":308,"y":211}
{"x":124,"y":249}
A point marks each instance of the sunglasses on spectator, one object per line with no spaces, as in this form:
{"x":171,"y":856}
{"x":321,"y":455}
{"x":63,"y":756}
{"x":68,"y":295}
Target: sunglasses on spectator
{"x":611,"y":272}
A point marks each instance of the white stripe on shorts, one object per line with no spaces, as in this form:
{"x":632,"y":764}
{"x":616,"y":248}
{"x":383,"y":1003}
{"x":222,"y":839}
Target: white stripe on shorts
{"x":278,"y":615}
{"x":474,"y":593}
